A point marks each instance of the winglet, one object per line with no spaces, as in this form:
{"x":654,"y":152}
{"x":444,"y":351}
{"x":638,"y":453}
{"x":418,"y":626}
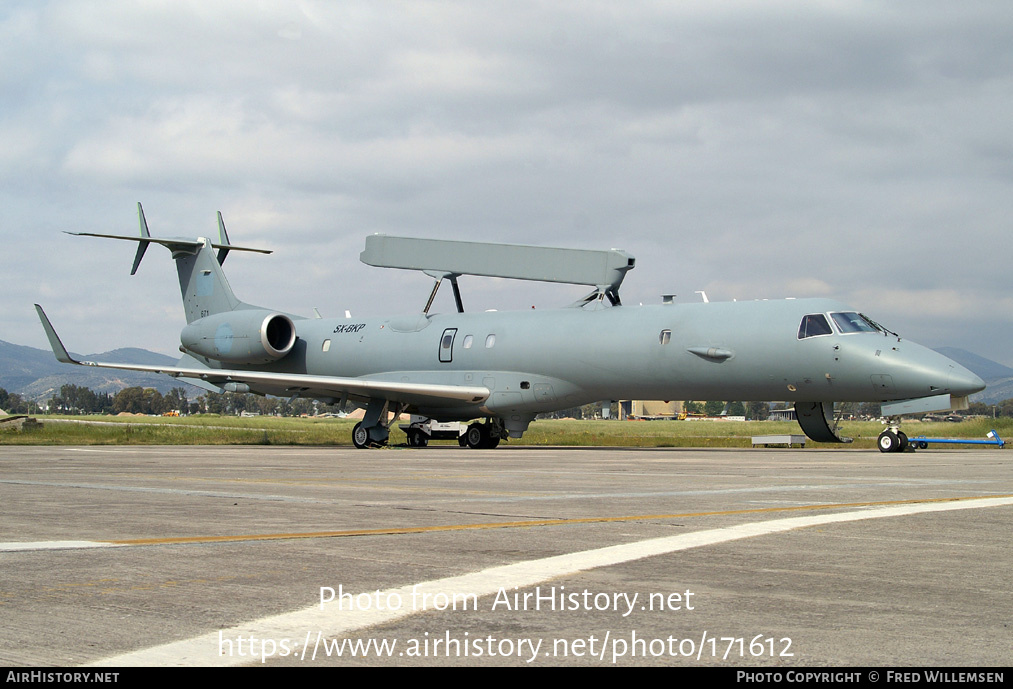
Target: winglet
{"x":224,"y":240}
{"x":141,"y":246}
{"x":54,"y":340}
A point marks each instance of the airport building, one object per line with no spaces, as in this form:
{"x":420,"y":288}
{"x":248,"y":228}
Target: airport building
{"x":649,"y":409}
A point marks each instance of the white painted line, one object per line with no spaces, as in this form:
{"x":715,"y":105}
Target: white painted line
{"x":53,"y":545}
{"x":331,"y":622}
{"x":100,"y":450}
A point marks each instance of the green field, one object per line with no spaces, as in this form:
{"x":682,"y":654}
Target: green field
{"x":266,"y":430}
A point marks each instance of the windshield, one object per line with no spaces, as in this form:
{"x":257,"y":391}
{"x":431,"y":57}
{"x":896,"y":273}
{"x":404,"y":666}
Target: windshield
{"x":852,"y":322}
{"x":813,"y":325}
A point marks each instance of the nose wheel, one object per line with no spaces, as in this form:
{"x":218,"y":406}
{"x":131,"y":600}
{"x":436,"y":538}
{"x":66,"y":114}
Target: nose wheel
{"x":892,"y":440}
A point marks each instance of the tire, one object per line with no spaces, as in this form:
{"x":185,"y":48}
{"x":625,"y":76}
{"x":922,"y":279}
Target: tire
{"x":902,"y":437}
{"x":477,"y":436}
{"x":888,"y":442}
{"x":360,"y":436}
{"x":417,"y":439}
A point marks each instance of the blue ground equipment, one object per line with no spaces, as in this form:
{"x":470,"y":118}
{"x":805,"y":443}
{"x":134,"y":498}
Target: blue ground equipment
{"x":993,"y":438}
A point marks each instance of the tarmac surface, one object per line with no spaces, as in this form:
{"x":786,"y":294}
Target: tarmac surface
{"x":514,"y":556}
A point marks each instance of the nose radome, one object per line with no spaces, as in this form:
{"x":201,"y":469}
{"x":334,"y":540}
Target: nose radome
{"x":962,"y":382}
{"x":922,"y":371}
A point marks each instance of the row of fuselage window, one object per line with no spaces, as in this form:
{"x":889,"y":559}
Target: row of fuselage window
{"x":466,"y":343}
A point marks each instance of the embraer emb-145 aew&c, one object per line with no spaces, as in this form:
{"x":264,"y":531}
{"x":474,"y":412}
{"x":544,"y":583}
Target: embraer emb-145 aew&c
{"x":506,"y":367}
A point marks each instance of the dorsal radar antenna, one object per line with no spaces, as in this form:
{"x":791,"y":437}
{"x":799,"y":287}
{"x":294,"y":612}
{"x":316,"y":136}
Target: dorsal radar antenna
{"x":448,"y":260}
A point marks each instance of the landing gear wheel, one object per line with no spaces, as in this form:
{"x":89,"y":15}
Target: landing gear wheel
{"x":902,"y":437}
{"x":477,"y":436}
{"x":888,"y":441}
{"x":360,"y":436}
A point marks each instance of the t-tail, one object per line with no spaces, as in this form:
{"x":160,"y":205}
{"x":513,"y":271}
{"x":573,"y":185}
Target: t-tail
{"x":220,"y":329}
{"x":202,"y":283}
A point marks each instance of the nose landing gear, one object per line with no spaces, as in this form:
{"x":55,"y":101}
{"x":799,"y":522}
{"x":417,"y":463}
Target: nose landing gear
{"x":893,"y":439}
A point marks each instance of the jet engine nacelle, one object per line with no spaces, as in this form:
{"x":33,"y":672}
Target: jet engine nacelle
{"x":253,"y":336}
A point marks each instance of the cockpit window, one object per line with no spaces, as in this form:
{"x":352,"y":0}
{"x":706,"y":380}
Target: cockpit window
{"x":812,"y":325}
{"x":851,"y":322}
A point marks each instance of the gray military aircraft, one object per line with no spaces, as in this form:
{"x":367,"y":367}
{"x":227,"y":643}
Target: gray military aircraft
{"x":506,"y":367}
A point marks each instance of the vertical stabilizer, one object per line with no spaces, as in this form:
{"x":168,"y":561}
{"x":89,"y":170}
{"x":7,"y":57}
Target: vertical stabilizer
{"x":202,"y":283}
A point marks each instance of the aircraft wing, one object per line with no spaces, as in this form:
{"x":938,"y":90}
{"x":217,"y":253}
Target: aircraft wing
{"x":287,"y":384}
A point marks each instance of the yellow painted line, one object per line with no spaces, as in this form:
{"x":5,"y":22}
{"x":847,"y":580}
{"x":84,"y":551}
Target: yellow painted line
{"x":379,"y":483}
{"x":390,"y":531}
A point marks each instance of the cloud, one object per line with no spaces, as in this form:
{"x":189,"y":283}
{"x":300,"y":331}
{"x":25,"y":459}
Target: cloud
{"x":857,"y":150}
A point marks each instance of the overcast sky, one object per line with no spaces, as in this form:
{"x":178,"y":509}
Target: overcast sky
{"x":852,"y":149}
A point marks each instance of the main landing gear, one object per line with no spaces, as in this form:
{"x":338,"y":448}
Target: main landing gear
{"x":892,"y":439}
{"x":374,"y":429}
{"x":361,"y":439}
{"x":482,"y":436}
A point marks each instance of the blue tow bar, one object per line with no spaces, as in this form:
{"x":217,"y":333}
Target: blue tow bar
{"x":922,"y":442}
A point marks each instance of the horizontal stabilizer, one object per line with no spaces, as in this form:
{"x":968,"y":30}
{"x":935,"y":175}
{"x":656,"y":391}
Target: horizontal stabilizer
{"x":190,"y":246}
{"x":172,"y":243}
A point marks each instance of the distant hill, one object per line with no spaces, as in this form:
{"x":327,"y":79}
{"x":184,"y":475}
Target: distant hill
{"x":21,"y":366}
{"x":36,"y":374}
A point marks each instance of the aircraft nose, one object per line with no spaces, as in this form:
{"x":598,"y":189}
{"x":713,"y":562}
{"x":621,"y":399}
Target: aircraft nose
{"x":918,"y":371}
{"x":962,"y":382}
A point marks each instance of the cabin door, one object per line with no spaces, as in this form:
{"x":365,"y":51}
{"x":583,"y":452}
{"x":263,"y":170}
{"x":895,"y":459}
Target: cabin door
{"x":447,"y":345}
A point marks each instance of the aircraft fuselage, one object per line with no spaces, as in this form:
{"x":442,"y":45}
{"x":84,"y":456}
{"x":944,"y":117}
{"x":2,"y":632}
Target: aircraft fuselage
{"x":543,"y":360}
